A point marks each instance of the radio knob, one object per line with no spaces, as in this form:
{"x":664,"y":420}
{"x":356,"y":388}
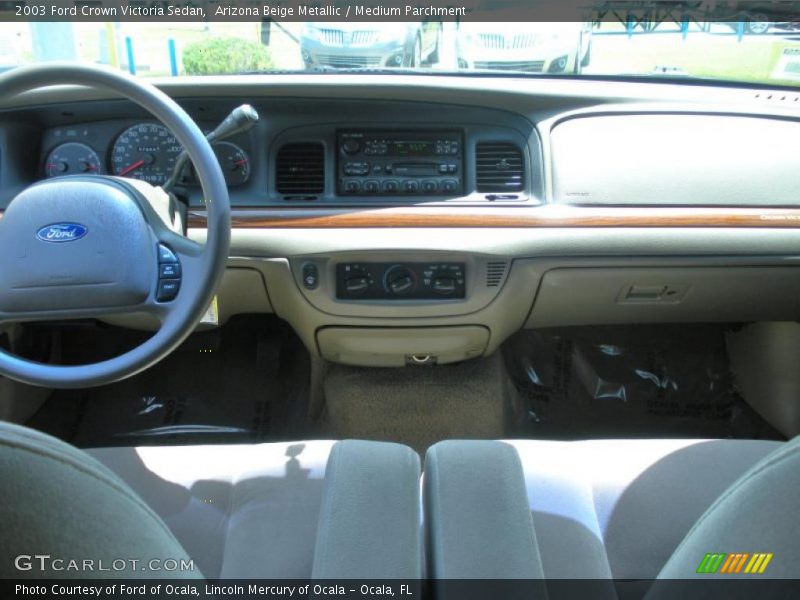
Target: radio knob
{"x":351,"y":146}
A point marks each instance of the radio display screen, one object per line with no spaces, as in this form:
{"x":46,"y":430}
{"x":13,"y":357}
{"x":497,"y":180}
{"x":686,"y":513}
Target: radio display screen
{"x":410,"y":148}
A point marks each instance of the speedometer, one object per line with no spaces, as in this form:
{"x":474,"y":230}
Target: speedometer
{"x":145,"y":151}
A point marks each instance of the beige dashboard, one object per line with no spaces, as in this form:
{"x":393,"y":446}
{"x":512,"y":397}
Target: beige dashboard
{"x":547,"y":260}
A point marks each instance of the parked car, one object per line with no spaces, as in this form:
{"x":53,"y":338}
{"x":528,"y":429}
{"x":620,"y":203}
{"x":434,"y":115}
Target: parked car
{"x":353,"y":45}
{"x":531,"y":47}
{"x":756,"y":18}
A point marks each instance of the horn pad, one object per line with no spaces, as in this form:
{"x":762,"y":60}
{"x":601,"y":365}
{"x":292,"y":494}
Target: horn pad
{"x":75,"y":243}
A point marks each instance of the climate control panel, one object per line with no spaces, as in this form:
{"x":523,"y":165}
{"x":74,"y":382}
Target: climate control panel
{"x":400,"y":281}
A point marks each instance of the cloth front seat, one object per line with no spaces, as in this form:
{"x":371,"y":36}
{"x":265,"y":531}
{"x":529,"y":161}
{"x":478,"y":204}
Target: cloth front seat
{"x":316,"y":509}
{"x":602,"y":509}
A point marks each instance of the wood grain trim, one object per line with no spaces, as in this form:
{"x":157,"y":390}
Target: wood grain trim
{"x":541,"y":216}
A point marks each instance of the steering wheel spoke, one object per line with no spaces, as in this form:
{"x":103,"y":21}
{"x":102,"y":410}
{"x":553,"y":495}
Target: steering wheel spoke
{"x":179,"y":269}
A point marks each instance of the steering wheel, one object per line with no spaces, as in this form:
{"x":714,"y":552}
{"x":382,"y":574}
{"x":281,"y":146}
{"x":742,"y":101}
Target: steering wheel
{"x":94,"y":246}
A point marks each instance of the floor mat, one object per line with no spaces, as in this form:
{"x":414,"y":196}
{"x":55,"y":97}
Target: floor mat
{"x":636,"y":381}
{"x":246,"y":382}
{"x":418,"y":406}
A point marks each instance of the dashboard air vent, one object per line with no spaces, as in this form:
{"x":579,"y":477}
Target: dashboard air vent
{"x":300,"y":170}
{"x":495,"y":271}
{"x":499,"y":167}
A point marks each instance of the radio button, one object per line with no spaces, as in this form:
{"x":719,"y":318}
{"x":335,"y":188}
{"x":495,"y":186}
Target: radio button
{"x":411,"y":186}
{"x":430,"y":186}
{"x":371,"y":186}
{"x":356,"y":168}
{"x":449,"y":185}
{"x":352,"y":187}
{"x":390,"y":187}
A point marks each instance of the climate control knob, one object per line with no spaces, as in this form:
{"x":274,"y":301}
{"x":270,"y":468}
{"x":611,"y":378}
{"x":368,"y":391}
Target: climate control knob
{"x":399,"y":280}
{"x":356,"y":280}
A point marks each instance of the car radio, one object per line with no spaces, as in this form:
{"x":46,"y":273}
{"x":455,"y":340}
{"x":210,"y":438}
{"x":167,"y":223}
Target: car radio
{"x":400,"y":163}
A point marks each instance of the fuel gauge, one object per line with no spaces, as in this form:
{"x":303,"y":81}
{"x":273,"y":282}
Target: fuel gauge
{"x":71,"y":158}
{"x":234,"y":162}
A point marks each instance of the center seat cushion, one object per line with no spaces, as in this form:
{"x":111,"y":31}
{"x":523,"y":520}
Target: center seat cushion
{"x":275,"y":510}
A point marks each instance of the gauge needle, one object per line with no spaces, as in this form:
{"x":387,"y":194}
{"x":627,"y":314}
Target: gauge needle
{"x":132,"y":167}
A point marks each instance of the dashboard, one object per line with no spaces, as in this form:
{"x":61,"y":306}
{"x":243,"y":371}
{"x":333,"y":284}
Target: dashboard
{"x":299,"y":156}
{"x":396,"y":219}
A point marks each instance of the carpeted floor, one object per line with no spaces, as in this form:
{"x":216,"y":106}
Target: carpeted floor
{"x":419,"y":406}
{"x":629,"y":381}
{"x":253,"y":381}
{"x":245,"y":382}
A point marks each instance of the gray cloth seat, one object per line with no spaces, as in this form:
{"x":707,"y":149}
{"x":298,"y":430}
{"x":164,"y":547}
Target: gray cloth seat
{"x":316,"y":509}
{"x":603,"y":509}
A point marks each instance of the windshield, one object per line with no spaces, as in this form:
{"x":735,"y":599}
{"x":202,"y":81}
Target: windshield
{"x":756,"y":51}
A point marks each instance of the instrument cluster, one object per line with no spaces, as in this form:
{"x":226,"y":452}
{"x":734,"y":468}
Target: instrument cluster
{"x":145,"y":151}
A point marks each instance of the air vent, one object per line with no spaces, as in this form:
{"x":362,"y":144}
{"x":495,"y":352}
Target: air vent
{"x":300,"y":170}
{"x":499,"y":167}
{"x":495,"y":272}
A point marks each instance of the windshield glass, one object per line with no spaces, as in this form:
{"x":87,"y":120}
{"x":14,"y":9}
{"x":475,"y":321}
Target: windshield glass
{"x":756,"y":51}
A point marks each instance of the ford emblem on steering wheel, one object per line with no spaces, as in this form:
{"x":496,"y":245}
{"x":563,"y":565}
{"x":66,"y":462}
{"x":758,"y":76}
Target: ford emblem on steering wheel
{"x":62,"y":232}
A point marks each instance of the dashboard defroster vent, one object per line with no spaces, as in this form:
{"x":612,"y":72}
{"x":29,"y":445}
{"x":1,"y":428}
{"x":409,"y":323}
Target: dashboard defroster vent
{"x":499,"y":167}
{"x":495,"y":272}
{"x":300,"y":170}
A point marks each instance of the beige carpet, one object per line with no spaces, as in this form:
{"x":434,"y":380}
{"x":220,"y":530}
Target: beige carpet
{"x":418,"y":406}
